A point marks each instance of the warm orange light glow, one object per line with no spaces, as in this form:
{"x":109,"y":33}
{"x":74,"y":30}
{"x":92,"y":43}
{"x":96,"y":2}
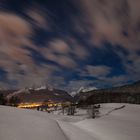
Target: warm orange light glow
{"x":29,"y":105}
{"x":35,"y":105}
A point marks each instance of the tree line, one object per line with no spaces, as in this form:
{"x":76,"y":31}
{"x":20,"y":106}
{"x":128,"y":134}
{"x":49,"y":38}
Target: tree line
{"x":110,"y":97}
{"x":12,"y":101}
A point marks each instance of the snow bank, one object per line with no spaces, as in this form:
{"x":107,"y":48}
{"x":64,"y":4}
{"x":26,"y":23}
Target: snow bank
{"x":20,"y":124}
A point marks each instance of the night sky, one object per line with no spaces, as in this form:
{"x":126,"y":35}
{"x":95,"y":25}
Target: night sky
{"x":69,"y":43}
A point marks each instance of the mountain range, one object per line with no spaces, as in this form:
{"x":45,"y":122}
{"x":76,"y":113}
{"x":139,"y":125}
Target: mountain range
{"x":123,"y":94}
{"x":127,"y":93}
{"x":40,"y":94}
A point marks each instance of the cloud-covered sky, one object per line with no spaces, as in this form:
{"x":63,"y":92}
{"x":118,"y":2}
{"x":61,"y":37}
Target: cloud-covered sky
{"x":68,"y":43}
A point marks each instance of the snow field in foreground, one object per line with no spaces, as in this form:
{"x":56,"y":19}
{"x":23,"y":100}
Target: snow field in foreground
{"x":120,"y":124}
{"x":18,"y":124}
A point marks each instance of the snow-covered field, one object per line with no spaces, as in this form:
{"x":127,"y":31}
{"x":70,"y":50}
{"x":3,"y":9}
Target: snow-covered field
{"x":20,"y":124}
{"x":113,"y":124}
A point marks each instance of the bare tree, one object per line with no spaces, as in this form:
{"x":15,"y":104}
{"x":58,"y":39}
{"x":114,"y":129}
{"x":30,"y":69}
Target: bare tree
{"x":93,"y":111}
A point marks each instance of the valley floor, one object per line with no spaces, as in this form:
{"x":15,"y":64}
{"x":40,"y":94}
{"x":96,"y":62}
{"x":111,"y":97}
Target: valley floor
{"x":114,"y":123}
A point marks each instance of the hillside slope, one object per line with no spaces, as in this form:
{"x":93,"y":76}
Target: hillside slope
{"x":123,"y":94}
{"x":41,"y":95}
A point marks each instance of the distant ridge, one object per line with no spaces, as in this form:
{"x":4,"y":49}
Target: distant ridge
{"x":122,"y":94}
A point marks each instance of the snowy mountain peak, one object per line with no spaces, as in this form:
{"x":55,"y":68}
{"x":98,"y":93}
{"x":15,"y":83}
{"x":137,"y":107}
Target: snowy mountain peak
{"x":89,"y":89}
{"x":43,"y":87}
{"x":40,"y":88}
{"x":83,"y":89}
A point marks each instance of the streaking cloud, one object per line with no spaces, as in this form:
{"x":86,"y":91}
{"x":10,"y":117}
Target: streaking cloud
{"x":91,"y":43}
